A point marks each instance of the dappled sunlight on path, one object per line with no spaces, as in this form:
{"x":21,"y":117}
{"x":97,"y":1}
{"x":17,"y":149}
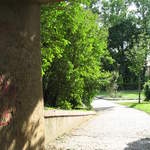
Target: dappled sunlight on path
{"x":114,"y":128}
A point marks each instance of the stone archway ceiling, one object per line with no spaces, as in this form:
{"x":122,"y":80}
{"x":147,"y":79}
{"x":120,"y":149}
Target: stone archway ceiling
{"x":30,"y":1}
{"x":49,"y":1}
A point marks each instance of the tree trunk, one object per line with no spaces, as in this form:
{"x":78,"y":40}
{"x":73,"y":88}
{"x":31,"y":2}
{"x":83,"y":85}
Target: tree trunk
{"x":139,"y":88}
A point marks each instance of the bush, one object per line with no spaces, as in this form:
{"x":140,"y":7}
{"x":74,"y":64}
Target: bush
{"x":147,"y":90}
{"x":72,"y":46}
{"x":64,"y":104}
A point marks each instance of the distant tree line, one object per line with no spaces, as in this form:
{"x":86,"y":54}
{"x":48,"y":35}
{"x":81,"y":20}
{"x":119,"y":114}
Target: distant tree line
{"x":128,"y":23}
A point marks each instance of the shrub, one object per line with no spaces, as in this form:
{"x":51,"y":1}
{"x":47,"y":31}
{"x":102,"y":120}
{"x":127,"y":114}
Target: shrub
{"x":72,"y":46}
{"x":64,"y":104}
{"x":147,"y":90}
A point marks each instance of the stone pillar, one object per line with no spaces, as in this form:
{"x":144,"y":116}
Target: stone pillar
{"x":21,"y":100}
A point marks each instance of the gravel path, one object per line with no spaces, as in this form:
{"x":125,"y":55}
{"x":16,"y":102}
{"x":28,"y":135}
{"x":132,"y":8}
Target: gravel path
{"x":114,"y":128}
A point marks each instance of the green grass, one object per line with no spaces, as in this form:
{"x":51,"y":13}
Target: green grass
{"x":54,"y":108}
{"x":144,"y":106}
{"x":127,"y":94}
{"x":49,"y":108}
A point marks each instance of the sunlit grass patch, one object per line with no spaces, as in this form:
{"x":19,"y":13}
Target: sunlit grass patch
{"x":144,"y":106}
{"x":125,"y":94}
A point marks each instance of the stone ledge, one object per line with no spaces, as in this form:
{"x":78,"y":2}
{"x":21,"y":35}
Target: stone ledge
{"x":59,"y":122}
{"x":67,"y":113}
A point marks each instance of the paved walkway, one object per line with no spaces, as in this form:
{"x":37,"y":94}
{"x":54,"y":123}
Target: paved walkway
{"x":114,"y":128}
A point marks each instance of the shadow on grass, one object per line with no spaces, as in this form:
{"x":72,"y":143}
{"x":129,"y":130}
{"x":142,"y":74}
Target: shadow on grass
{"x":133,"y":105}
{"x":142,"y":144}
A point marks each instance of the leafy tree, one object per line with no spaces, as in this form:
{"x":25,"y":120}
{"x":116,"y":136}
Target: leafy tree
{"x":124,"y":27}
{"x":72,"y":47}
{"x":113,"y":12}
{"x":137,"y":57}
{"x":142,"y":15}
{"x":120,"y":40}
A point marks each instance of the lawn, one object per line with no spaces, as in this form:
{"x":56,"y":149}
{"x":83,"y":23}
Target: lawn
{"x":144,"y":106}
{"x":127,"y":94}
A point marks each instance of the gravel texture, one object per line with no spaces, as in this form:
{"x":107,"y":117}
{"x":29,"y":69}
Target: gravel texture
{"x":114,"y":128}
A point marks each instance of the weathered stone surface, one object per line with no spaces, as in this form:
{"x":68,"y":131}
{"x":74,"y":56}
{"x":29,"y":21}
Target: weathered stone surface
{"x":29,"y":1}
{"x":20,"y":78}
{"x":58,"y":122}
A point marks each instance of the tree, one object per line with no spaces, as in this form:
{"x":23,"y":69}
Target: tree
{"x":142,"y":15}
{"x":72,"y":47}
{"x":120,"y":40}
{"x":137,"y":57}
{"x":124,"y":27}
{"x":113,"y":12}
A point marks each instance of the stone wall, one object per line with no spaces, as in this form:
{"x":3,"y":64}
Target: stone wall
{"x":58,"y":122}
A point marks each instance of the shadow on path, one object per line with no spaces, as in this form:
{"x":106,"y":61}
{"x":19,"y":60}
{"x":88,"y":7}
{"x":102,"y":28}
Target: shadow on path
{"x":103,"y":108}
{"x":142,"y":144}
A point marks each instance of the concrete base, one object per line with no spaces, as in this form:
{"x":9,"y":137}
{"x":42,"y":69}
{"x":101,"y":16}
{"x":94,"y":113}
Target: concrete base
{"x":21,"y":103}
{"x":59,"y":122}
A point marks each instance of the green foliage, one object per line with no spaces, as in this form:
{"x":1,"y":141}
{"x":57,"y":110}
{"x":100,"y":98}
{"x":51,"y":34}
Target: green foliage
{"x":72,"y":47}
{"x":147,"y":90}
{"x":137,"y":55}
{"x":113,"y":12}
{"x":64,"y":104}
{"x":125,"y":26}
